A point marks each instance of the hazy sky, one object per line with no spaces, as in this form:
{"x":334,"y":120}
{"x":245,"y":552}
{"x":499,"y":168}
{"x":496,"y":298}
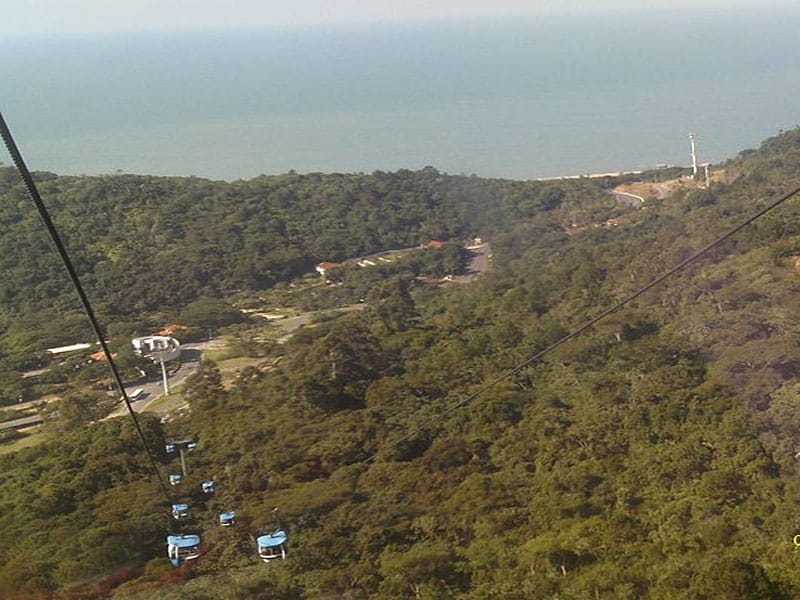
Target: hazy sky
{"x":52,"y":16}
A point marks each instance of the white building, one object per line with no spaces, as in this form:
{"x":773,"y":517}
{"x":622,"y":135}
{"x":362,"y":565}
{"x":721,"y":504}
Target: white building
{"x":158,"y":348}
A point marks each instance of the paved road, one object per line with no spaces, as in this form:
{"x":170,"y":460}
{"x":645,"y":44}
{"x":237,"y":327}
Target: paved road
{"x":21,"y":422}
{"x":629,"y":199}
{"x":478,"y":263}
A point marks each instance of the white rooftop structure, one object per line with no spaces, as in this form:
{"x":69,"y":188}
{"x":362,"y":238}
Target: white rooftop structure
{"x":159,"y":348}
{"x":70,"y":348}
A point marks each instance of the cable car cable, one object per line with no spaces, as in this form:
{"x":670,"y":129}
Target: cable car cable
{"x":535,"y":357}
{"x":33,"y":193}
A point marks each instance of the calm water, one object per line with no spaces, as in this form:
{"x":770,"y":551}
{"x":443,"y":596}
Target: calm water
{"x":514,"y":98}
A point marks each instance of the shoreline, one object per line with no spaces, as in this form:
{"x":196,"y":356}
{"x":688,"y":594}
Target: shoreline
{"x":610,"y":174}
{"x":587,"y":176}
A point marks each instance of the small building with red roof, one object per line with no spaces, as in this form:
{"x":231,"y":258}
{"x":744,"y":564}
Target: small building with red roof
{"x":170,"y":329}
{"x":324,"y":267}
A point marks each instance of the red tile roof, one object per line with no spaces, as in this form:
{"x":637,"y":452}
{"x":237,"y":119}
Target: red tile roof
{"x":171,"y":328}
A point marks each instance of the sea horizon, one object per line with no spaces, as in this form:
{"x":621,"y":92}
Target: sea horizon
{"x":512,"y":98}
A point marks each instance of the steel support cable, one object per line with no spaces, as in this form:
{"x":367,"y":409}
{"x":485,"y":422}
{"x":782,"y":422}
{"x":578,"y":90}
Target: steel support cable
{"x":33,"y":192}
{"x":535,"y":357}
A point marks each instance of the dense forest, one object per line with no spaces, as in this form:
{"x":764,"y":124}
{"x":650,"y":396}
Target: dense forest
{"x":145,"y":243}
{"x":153,"y":245}
{"x":654,"y":456}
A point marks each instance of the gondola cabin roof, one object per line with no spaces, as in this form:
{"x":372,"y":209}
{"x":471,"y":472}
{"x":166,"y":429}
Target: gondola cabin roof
{"x":276,"y":538}
{"x":183,"y":541}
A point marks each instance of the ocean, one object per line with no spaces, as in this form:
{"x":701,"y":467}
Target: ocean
{"x":515,"y":98}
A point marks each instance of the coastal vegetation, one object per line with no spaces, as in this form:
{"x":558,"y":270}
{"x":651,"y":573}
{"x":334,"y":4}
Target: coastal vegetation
{"x":654,"y":456}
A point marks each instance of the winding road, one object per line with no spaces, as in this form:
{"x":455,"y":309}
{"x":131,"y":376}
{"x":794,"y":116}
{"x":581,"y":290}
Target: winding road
{"x":629,"y":199}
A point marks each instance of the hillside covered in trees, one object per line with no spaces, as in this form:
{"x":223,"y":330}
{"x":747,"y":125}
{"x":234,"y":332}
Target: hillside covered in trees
{"x":152,"y":245}
{"x":654,"y":456}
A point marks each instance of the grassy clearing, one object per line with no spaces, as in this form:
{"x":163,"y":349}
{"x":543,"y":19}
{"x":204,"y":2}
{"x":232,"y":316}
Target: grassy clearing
{"x":217,"y":355}
{"x":162,"y":401}
{"x":36,"y":436}
{"x":234,"y":364}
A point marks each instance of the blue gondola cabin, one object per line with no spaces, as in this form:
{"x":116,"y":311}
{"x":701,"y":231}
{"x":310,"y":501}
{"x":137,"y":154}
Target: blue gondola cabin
{"x":181,"y":548}
{"x":208,"y":487}
{"x":226,"y":519}
{"x":174,"y":479}
{"x":272,"y":546}
{"x":180,"y":511}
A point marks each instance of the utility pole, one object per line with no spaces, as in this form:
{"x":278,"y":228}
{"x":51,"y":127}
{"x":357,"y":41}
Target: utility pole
{"x":158,"y":349}
{"x":694,"y":156}
{"x":182,"y":446}
{"x":164,"y":377}
{"x":183,"y":460}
